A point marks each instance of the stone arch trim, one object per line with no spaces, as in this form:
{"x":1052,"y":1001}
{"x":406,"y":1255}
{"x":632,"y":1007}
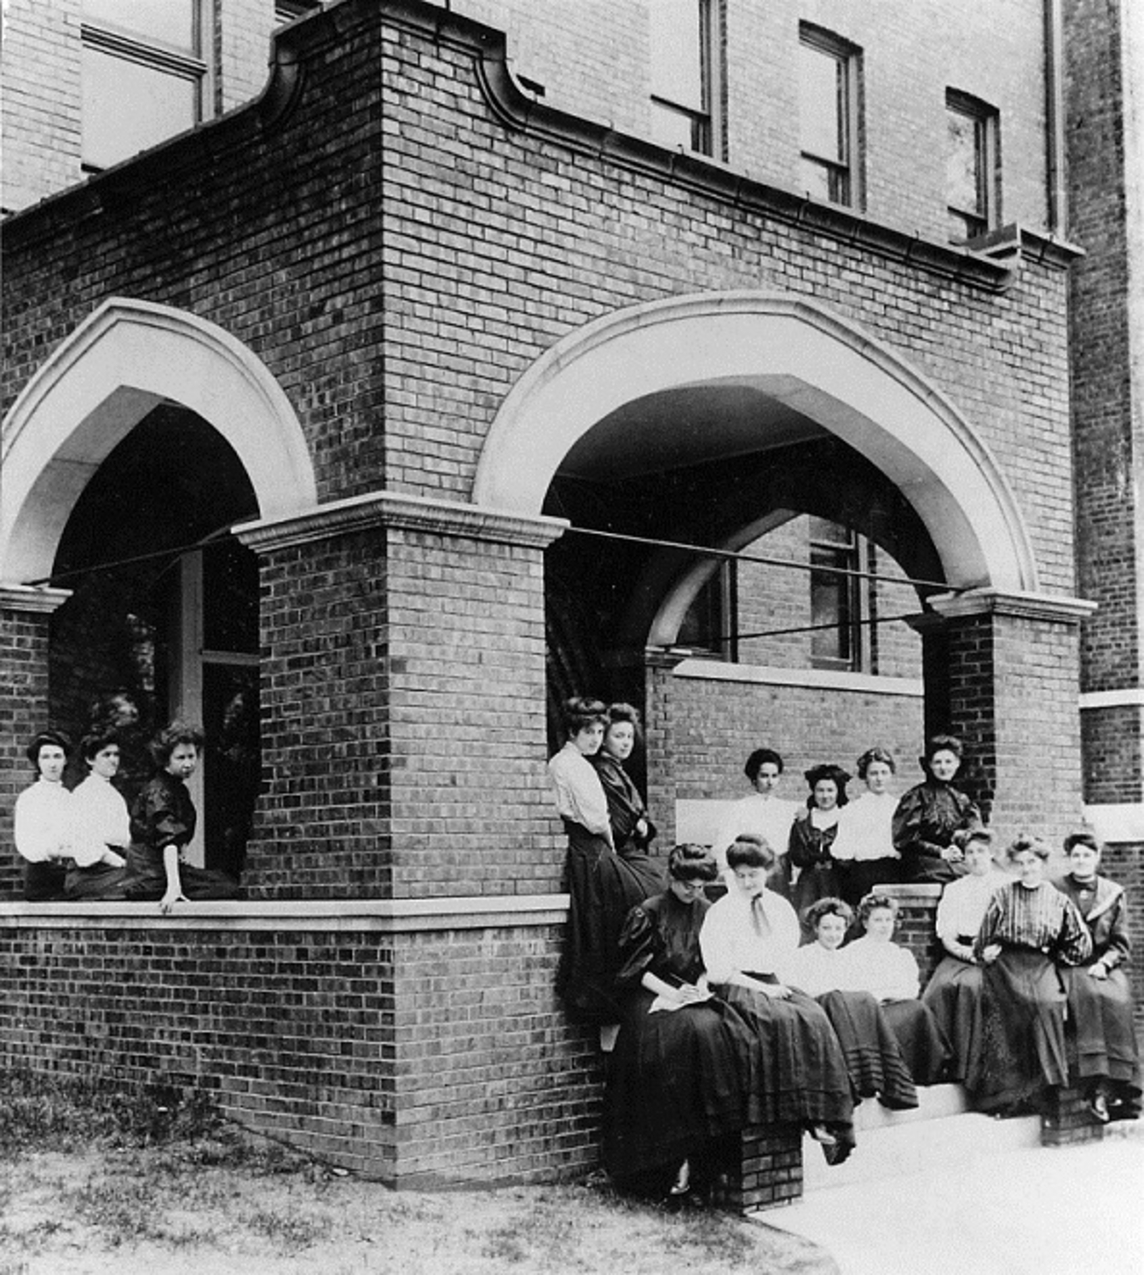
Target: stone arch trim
{"x":121,"y":361}
{"x":800,"y":353}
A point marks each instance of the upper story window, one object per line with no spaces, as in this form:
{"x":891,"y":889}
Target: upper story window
{"x":972,"y":181}
{"x":828,"y":117}
{"x":685,"y":75}
{"x":144,"y":75}
{"x":835,"y":598}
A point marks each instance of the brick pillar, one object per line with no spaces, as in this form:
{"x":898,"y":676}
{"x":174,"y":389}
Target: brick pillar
{"x":25,"y":616}
{"x":403,"y":703}
{"x":1013,"y":687}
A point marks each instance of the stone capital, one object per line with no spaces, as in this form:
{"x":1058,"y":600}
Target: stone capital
{"x":23,"y":597}
{"x":1018,"y":605}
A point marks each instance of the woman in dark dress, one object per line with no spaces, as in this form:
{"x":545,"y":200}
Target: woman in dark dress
{"x":812,"y":835}
{"x":1101,"y":1039}
{"x":873,"y":1055}
{"x":163,"y":820}
{"x":677,"y":1083}
{"x":930,"y":813}
{"x":632,"y":829}
{"x":1029,"y":929}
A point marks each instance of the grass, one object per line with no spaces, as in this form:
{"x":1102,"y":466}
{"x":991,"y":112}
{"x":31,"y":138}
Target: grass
{"x":139,"y":1182}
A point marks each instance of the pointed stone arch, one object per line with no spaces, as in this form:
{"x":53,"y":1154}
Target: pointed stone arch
{"x":123,"y":360}
{"x":798,"y":353}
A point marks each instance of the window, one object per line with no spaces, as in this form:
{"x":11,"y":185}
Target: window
{"x":711,"y":622}
{"x":971,"y":171}
{"x":144,"y":77}
{"x":828,"y":117}
{"x":835,"y":598}
{"x":684,"y":77}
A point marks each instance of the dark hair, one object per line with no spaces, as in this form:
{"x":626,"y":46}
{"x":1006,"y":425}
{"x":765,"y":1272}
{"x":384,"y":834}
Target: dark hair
{"x":170,"y":737}
{"x":51,"y":738}
{"x":758,"y":759}
{"x":828,"y":906}
{"x":617,"y":713}
{"x":872,"y":902}
{"x":964,"y":837}
{"x":944,"y":743}
{"x":690,"y":862}
{"x":750,"y":851}
{"x":872,"y":755}
{"x":580,"y":712}
{"x":840,"y":777}
{"x":1025,"y":844}
{"x":91,"y":745}
{"x":1082,"y":839}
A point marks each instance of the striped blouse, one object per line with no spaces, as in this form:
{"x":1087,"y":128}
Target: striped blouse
{"x":1040,"y":918}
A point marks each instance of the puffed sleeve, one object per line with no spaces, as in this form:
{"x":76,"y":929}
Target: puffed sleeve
{"x":1074,"y":942}
{"x":990,"y":923}
{"x":639,"y":948}
{"x":717,"y":943}
{"x":156,"y":819}
{"x":801,"y":848}
{"x":909,"y":819}
{"x":579,"y":793}
{"x":1119,"y":945}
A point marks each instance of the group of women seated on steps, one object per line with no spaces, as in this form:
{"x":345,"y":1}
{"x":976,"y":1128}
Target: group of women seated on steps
{"x":786,"y":1001}
{"x":86,"y":843}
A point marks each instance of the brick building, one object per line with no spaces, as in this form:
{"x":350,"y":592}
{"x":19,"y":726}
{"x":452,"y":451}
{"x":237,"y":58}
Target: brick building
{"x":378,"y":410}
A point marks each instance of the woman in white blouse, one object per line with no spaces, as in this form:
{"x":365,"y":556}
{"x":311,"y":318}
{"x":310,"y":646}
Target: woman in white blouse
{"x":863,"y":850}
{"x":43,"y":828}
{"x":800,"y":1074}
{"x":103,"y":825}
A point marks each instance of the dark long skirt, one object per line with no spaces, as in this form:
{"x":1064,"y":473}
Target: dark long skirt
{"x":924,"y":1045}
{"x":1022,"y":1032}
{"x":44,"y":882}
{"x":603,"y":887}
{"x":857,"y":877}
{"x":873,"y":1056}
{"x":799,"y":1075}
{"x":1100,"y":1036}
{"x":100,"y":881}
{"x":953,"y":996}
{"x":677,"y":1083}
{"x":147,"y":879}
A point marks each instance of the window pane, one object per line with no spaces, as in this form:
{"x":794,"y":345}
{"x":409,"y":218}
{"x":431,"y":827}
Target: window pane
{"x":169,"y":21}
{"x":831,"y":605}
{"x":677,"y":52}
{"x":128,"y":107}
{"x":963,"y":163}
{"x":822,"y":104}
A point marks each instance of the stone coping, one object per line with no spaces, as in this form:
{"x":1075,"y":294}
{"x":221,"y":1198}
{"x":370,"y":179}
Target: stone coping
{"x":703,"y":669}
{"x":383,"y":916}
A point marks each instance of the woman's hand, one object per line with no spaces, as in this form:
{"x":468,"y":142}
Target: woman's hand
{"x":951,"y":854}
{"x":779,"y":991}
{"x":990,"y":953}
{"x":168,"y":901}
{"x":641,"y":829}
{"x":1098,"y":970}
{"x":688,"y":994}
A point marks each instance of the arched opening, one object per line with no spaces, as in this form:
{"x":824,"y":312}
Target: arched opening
{"x":127,"y":458}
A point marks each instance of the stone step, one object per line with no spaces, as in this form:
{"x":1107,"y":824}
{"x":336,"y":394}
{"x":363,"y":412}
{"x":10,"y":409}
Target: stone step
{"x":940,"y":1132}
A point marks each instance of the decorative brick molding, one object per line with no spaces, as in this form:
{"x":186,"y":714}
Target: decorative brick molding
{"x":22,"y":597}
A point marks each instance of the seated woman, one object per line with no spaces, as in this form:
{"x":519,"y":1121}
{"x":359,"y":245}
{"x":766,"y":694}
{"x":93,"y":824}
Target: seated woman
{"x":812,"y":835}
{"x":876,"y":964}
{"x":799,"y":1076}
{"x":764,"y":814}
{"x":163,"y":821}
{"x":44,"y":830}
{"x":953,"y":993}
{"x":1101,"y":1039}
{"x":103,"y":825}
{"x":677,"y":1086}
{"x":603,"y":886}
{"x":1028,"y":930}
{"x":632,"y":829}
{"x":873,"y":1055}
{"x":863,"y":851}
{"x":930,"y":813}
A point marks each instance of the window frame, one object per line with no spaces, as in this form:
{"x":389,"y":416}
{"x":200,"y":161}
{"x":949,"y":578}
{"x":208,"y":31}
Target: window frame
{"x":987,"y":162}
{"x":192,"y":65}
{"x":845,"y":174}
{"x":847,"y":544}
{"x":707,"y":122}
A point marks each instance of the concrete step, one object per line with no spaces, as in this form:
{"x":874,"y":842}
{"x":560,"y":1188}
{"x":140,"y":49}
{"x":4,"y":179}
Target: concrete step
{"x":894,"y":1143}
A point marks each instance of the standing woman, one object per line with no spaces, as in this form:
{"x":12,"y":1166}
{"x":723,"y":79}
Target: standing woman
{"x":1029,"y":928}
{"x":812,"y":836}
{"x":681,"y":1068}
{"x":929,"y":814}
{"x":763,"y":814}
{"x":953,"y":993}
{"x":163,"y":821}
{"x":103,"y":825}
{"x":601,"y":885}
{"x":1101,"y":1031}
{"x":799,"y":1076}
{"x":44,"y":829}
{"x":632,"y":830}
{"x":864,"y":854}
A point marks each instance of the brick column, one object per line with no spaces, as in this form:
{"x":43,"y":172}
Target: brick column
{"x":403,"y":702}
{"x":25,"y":616}
{"x":1013,"y":687}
